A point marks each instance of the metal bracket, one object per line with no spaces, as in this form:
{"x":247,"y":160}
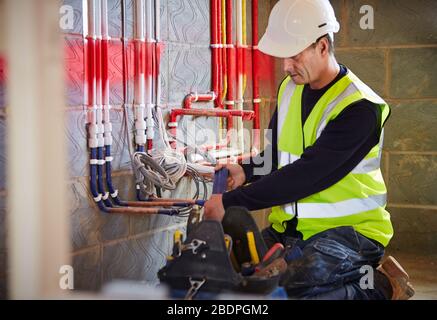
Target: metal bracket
{"x":195,"y":286}
{"x":193,"y":245}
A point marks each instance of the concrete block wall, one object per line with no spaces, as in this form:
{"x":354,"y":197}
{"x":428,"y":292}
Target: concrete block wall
{"x":398,"y":60}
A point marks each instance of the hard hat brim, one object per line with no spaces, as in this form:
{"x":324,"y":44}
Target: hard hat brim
{"x":281,"y":50}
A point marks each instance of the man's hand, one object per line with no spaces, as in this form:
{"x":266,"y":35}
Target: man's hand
{"x":236,"y":176}
{"x":214,"y":209}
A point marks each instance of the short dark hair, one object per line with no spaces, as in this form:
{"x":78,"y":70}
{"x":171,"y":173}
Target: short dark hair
{"x":331,"y":48}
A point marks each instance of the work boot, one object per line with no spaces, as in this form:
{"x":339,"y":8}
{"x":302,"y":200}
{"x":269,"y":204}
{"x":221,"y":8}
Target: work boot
{"x":398,"y":277}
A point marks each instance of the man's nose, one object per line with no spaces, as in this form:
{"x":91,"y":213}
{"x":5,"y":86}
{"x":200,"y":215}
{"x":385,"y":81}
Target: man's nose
{"x":288,"y":64}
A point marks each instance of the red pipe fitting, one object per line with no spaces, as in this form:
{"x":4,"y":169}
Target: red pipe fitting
{"x":197,"y":97}
{"x":247,"y":115}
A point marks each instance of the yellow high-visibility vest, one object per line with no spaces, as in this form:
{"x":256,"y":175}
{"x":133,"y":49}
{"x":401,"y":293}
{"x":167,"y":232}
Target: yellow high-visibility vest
{"x":357,"y":200}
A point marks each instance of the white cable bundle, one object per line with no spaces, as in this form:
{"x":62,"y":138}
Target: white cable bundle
{"x":172,"y":162}
{"x":161,"y":168}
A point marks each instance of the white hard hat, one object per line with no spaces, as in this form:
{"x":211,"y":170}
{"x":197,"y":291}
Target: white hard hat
{"x":296,"y":24}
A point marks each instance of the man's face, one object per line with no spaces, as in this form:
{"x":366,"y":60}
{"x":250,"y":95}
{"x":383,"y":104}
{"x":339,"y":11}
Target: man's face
{"x":303,"y":68}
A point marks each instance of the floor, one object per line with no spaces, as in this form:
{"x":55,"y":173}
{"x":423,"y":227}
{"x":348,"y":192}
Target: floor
{"x":423,"y":274}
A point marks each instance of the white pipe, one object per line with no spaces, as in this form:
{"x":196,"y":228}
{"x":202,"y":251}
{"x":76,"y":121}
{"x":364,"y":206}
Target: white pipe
{"x":240,"y":79}
{"x":85,"y":59}
{"x":157,"y":20}
{"x":158,"y":39}
{"x":105,"y":36}
{"x":149,"y":77}
{"x":98,"y":21}
{"x":140,"y":39}
{"x":98,"y":36}
{"x":139,"y":20}
{"x":91,"y":23}
{"x":93,"y":140}
{"x":106,"y":105}
{"x":105,"y":23}
{"x":139,"y":96}
{"x":149,"y":21}
{"x":98,"y":52}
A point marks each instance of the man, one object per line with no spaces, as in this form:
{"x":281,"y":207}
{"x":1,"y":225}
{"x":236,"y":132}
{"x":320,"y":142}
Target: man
{"x":326,"y":189}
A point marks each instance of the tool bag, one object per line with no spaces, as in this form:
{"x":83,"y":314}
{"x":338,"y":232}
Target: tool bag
{"x":203,"y":262}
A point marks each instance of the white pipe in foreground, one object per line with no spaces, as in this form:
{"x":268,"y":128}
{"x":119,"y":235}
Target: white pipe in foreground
{"x":38,"y":219}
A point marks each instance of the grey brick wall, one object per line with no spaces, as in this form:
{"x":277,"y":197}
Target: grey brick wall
{"x":397,"y":59}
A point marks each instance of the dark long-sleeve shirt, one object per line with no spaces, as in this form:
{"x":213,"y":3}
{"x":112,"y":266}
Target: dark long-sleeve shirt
{"x":343,"y":143}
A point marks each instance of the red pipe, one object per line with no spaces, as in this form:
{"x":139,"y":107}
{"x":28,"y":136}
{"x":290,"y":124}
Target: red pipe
{"x":105,"y":73}
{"x":139,"y":61}
{"x":219,"y":100}
{"x":214,"y":49}
{"x":166,"y":200}
{"x":234,"y":64}
{"x":90,"y":47}
{"x":150,"y":72}
{"x":255,"y":84}
{"x":220,"y":145}
{"x":223,"y":51}
{"x":216,"y":112}
{"x":230,"y":61}
{"x":197,"y":97}
{"x":131,"y":210}
{"x":98,"y":61}
{"x":255,"y":76}
{"x":164,"y":203}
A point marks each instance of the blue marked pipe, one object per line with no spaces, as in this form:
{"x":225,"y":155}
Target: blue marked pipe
{"x":100,"y":185}
{"x":220,"y":181}
{"x":109,"y":184}
{"x":138,"y":191}
{"x":93,"y":180}
{"x":168,"y":212}
{"x":200,"y":202}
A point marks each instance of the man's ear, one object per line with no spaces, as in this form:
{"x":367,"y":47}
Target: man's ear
{"x":324,"y":46}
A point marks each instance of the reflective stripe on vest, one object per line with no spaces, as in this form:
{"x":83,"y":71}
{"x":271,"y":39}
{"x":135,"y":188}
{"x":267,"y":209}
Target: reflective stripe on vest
{"x":342,"y":208}
{"x":358,"y":199}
